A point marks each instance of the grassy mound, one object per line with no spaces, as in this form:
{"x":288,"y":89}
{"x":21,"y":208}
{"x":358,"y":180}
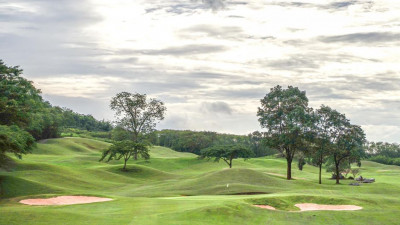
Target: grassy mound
{"x":13,"y":187}
{"x":162,"y":152}
{"x":230,"y":182}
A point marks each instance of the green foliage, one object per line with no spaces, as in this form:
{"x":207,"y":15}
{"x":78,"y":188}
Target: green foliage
{"x":286,"y":116}
{"x":75,"y":120}
{"x":389,"y":150}
{"x":226,"y":152}
{"x":301,"y":162}
{"x":19,"y":99}
{"x":136,"y":114}
{"x":195,"y":141}
{"x":98,"y":135}
{"x":385,"y":160}
{"x":126,"y":149}
{"x":348,"y":146}
{"x":15,"y":140}
{"x":343,"y":166}
{"x":120,"y":134}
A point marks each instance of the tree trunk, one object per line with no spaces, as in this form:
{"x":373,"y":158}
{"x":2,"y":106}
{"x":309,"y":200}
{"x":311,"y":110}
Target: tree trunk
{"x":337,"y":173}
{"x":320,"y":171}
{"x":289,"y":169}
{"x":230,"y":163}
{"x":125,"y":160}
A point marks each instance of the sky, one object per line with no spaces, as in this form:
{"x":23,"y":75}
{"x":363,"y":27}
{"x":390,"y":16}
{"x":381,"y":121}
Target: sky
{"x":211,"y":61}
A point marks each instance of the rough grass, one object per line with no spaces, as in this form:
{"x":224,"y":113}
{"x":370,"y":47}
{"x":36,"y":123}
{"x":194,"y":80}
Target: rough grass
{"x":177,"y":188}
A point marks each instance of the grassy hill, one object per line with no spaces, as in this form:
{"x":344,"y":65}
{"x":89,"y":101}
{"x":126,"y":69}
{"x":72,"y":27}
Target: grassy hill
{"x":177,"y":188}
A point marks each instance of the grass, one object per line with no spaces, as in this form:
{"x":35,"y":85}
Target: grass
{"x":177,"y":188}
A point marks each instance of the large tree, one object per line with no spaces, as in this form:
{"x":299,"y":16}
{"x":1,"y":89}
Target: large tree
{"x":348,"y":147}
{"x":326,"y":130}
{"x":286,"y":116}
{"x":137,"y":114}
{"x":19,"y":99}
{"x":226,"y":152}
{"x":125,"y":149}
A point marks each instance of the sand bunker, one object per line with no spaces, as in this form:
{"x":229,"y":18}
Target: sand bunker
{"x":64,"y":200}
{"x":265,"y":207}
{"x":314,"y":207}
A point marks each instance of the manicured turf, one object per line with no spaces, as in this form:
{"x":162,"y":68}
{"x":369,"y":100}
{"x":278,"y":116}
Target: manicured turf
{"x":177,"y":188}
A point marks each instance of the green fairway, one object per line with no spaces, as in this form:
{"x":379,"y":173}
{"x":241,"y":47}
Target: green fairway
{"x":177,"y":188}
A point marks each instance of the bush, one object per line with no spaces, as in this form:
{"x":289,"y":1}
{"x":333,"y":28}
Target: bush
{"x":386,"y":160}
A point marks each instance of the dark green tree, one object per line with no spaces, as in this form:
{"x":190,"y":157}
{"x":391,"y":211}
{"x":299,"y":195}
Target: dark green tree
{"x":226,"y":152}
{"x":125,"y":150}
{"x":326,"y":130}
{"x":286,"y":116}
{"x":19,"y":99}
{"x":15,"y":140}
{"x":348,"y":147}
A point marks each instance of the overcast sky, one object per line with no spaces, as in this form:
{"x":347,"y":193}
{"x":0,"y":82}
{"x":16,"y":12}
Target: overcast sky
{"x":211,"y":61}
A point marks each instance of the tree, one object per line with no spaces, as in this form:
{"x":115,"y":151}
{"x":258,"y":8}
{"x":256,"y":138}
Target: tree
{"x":126,"y":149}
{"x":136,"y":114}
{"x":15,"y":140}
{"x":349,"y":146}
{"x":285,"y":114}
{"x":326,"y":130}
{"x":226,"y":153}
{"x":19,"y":99}
{"x":22,"y":105}
{"x":301,"y":162}
{"x":120,"y":134}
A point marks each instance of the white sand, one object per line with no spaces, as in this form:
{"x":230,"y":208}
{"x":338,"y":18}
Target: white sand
{"x":313,"y":207}
{"x":64,"y":200}
{"x":265,"y":207}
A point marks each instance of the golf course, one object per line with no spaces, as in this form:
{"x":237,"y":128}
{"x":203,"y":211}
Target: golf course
{"x":178,"y":188}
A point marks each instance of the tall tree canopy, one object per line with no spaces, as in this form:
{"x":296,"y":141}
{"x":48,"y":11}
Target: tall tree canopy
{"x":286,"y":116}
{"x":19,"y":99}
{"x":226,"y":152}
{"x":136,"y":114}
{"x":326,"y":131}
{"x":348,"y":146}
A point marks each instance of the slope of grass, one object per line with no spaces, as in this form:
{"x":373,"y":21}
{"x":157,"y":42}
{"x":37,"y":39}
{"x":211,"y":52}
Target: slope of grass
{"x":177,"y":188}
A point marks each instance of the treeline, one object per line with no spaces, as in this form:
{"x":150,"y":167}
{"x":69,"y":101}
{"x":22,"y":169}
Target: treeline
{"x":75,"y":120}
{"x":195,"y":141}
{"x":26,"y":117}
{"x":383,"y":152}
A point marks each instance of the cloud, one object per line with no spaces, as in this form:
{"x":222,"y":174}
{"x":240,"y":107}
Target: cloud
{"x":343,"y":4}
{"x":212,"y":31}
{"x":194,"y":49}
{"x":214,"y":4}
{"x":369,"y":37}
{"x":216,"y":107}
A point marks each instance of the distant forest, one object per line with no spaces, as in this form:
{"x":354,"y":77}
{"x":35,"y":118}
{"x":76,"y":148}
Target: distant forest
{"x":194,"y":141}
